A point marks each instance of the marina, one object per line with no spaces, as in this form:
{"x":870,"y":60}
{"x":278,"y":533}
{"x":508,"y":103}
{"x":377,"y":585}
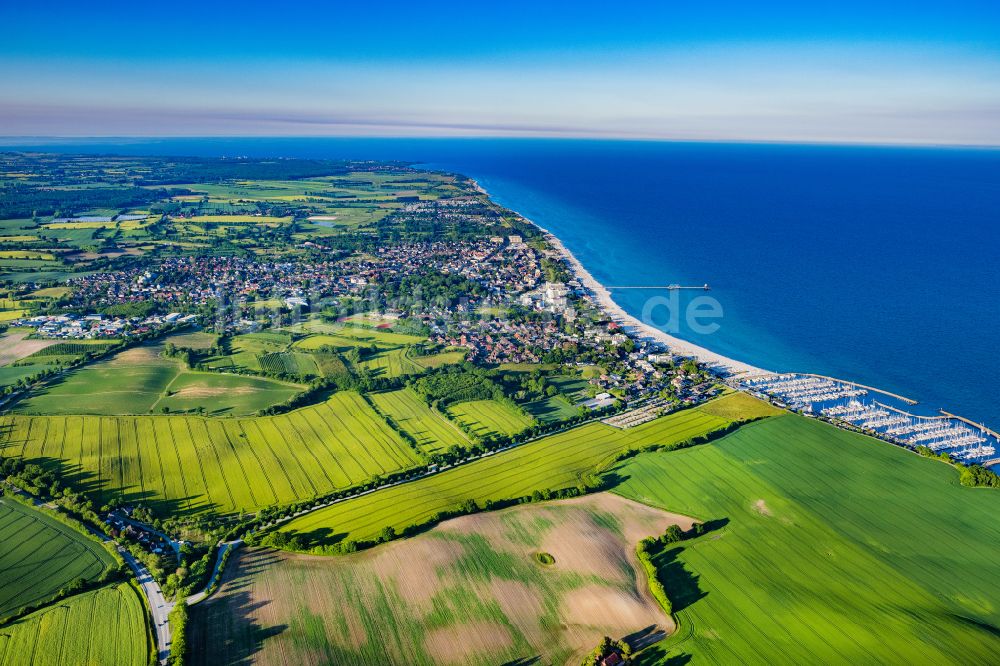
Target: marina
{"x":869,"y":410}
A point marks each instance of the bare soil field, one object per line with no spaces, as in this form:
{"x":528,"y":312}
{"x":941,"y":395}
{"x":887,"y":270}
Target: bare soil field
{"x":14,"y":347}
{"x":470,"y":591}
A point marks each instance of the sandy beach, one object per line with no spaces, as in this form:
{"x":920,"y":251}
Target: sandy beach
{"x":631,"y":324}
{"x":642,"y":330}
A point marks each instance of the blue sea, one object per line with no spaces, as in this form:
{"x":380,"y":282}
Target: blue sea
{"x":878,"y":265}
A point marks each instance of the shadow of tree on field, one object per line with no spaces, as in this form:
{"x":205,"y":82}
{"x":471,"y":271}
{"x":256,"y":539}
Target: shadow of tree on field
{"x":226,"y":628}
{"x":681,"y":584}
{"x":523,"y":661}
{"x":612,"y":479}
{"x":645,"y":637}
{"x":321,"y":536}
{"x":714,"y":525}
{"x":657,"y":656}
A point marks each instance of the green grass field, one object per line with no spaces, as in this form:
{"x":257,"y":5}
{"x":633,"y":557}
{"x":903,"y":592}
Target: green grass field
{"x":185,"y":464}
{"x":39,"y":555}
{"x":104,"y":627}
{"x":489,"y":418}
{"x":738,"y":405}
{"x":431,"y":430}
{"x":574,"y":388}
{"x":378,"y":336}
{"x":553,"y":463}
{"x":838,"y":549}
{"x":551,"y":410}
{"x":437,"y":360}
{"x":194,"y":340}
{"x":131,"y":382}
{"x":141,"y":381}
{"x":10,"y":374}
{"x":223,"y":395}
{"x":326,"y":340}
{"x":391,"y":363}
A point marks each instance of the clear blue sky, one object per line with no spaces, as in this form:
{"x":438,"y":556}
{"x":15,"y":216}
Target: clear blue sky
{"x":917,"y":72}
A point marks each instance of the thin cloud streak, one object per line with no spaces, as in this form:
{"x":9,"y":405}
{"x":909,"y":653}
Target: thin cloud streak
{"x":973,"y":126}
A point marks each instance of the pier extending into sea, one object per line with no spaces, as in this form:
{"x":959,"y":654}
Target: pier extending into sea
{"x":856,"y":406}
{"x":668,"y":287}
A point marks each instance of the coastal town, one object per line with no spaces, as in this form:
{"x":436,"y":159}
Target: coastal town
{"x":501,"y":301}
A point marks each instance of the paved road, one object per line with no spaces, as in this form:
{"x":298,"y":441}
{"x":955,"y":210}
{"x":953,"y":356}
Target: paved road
{"x":224,"y":547}
{"x":158,"y":604}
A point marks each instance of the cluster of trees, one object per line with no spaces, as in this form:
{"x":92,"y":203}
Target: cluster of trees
{"x":139,"y":309}
{"x":928,"y":452}
{"x":178,"y":619}
{"x":195,"y":567}
{"x":556,"y":270}
{"x":424,"y":288}
{"x":977,"y":476}
{"x":361,"y":353}
{"x":644,"y":551}
{"x":973,"y":476}
{"x":435,"y":222}
{"x":528,"y":385}
{"x":31,"y":477}
{"x":606,"y":648}
{"x":22,"y":200}
{"x":647,"y":548}
{"x":458,"y":383}
{"x":177,"y":170}
{"x":187,"y":355}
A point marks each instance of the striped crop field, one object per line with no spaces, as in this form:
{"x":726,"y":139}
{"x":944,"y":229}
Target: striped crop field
{"x":187,"y":464}
{"x":833,"y":548}
{"x":78,"y":348}
{"x":552,"y":463}
{"x":489,"y":418}
{"x":432,"y":431}
{"x":39,"y":555}
{"x":330,"y":364}
{"x":105,"y":627}
{"x":440,"y":359}
{"x":391,"y":363}
{"x":289,"y":363}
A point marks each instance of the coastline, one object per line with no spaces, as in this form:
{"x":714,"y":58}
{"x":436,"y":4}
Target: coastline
{"x":631,"y":324}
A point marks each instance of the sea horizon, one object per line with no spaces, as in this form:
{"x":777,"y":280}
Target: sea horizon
{"x":784,"y":324}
